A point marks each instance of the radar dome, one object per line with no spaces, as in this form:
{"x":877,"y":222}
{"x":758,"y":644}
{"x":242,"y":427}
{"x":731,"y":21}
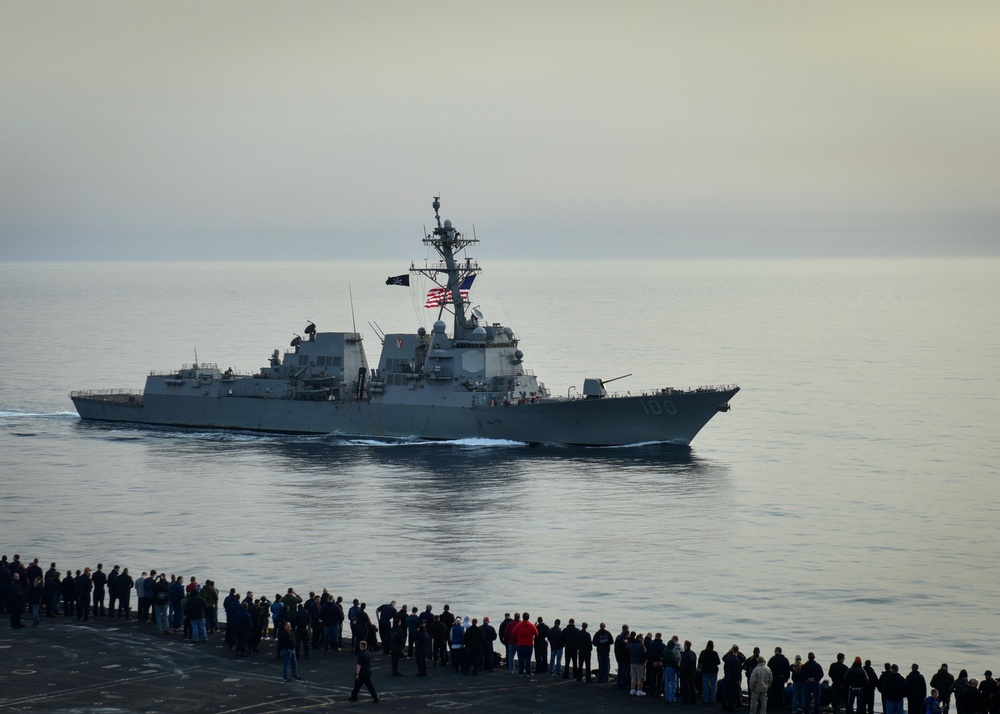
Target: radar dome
{"x":421,"y":331}
{"x":509,"y":332}
{"x":447,"y":223}
{"x":439,"y":326}
{"x":519,"y":354}
{"x":479,"y":334}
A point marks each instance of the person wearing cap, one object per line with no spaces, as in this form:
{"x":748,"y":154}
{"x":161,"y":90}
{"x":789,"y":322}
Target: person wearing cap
{"x":989,"y":688}
{"x":857,"y":680}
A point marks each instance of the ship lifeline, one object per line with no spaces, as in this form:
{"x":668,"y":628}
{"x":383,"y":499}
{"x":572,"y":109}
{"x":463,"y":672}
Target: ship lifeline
{"x":470,"y":384}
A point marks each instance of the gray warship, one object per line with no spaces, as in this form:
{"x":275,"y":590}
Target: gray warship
{"x":470,"y":384}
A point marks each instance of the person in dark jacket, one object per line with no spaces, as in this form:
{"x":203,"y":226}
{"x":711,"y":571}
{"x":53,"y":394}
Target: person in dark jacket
{"x":585,"y":649}
{"x":603,"y":641}
{"x":541,"y":647}
{"x":34,"y":597}
{"x":395,"y":640}
{"x":893,"y":687}
{"x":870,"y":688}
{"x":654,"y":664}
{"x":439,"y":642}
{"x":838,"y":683}
{"x":812,"y":676}
{"x":781,"y":671}
{"x":196,"y":608}
{"x":423,"y":648}
{"x":490,"y":636}
{"x":943,"y":681}
{"x":733,"y":672}
{"x":84,"y":587}
{"x":386,"y":617}
{"x":990,"y":689}
{"x":961,"y":682}
{"x":328,"y":616}
{"x":972,"y":700}
{"x":708,"y":663}
{"x":474,"y":641}
{"x":556,"y":646}
{"x":856,"y":680}
{"x":50,"y":594}
{"x":161,"y":597}
{"x":286,"y":646}
{"x":571,"y":648}
{"x":100,"y":582}
{"x":15,"y":600}
{"x":175,"y":593}
{"x":916,"y":690}
{"x":637,"y":665}
{"x":69,"y":594}
{"x":301,"y":620}
{"x":686,"y":674}
{"x":363,"y":673}
{"x":112,"y":591}
{"x":242,"y":625}
{"x":123,"y":592}
{"x":621,"y":658}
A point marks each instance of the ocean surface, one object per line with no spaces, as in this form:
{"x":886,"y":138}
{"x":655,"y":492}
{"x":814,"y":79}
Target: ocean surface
{"x":848,"y":502}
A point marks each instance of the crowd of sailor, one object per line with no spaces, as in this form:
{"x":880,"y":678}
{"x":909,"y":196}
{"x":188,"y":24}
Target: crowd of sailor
{"x":646,"y":664}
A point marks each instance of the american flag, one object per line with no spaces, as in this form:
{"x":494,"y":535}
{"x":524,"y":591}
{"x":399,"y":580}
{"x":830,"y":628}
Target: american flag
{"x":436,"y":297}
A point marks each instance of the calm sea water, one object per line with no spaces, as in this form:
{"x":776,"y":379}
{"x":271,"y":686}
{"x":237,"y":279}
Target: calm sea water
{"x":849,"y":502}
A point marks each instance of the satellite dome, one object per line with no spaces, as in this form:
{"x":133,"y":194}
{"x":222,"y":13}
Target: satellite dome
{"x":519,"y":354}
{"x":421,"y":331}
{"x":479,"y":334}
{"x":509,"y":332}
{"x":447,"y":223}
{"x":439,"y":326}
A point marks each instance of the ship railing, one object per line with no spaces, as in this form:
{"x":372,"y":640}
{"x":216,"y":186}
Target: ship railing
{"x":84,"y":393}
{"x":667,"y":391}
{"x":224,"y":375}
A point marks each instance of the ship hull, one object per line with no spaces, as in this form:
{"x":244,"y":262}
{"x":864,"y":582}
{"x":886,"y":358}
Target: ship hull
{"x":669,"y":418}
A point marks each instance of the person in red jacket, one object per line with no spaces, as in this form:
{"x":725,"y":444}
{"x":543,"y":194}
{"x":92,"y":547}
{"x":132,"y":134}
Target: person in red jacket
{"x":524,"y":638}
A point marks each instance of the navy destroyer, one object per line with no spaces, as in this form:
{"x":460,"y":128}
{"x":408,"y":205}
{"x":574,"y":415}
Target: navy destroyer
{"x":471,"y":383}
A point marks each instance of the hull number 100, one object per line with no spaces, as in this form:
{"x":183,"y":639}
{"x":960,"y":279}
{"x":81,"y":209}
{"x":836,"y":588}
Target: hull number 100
{"x":659,"y":408}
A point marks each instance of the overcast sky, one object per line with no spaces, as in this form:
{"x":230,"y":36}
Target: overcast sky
{"x":321,"y":130}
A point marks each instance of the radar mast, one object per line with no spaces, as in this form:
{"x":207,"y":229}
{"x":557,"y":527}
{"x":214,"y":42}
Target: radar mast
{"x":451,"y":270}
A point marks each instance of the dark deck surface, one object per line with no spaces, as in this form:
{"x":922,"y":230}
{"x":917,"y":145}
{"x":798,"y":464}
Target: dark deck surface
{"x":122,"y":666}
